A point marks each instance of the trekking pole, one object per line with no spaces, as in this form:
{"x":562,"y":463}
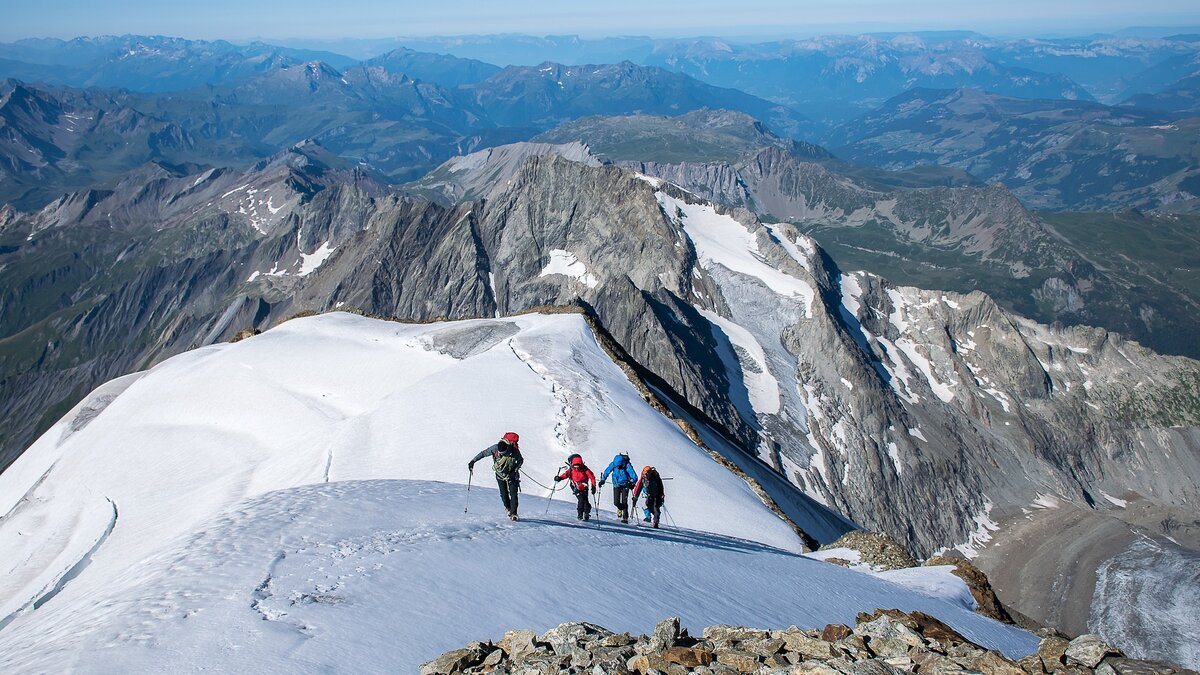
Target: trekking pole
{"x":549,"y":499}
{"x":470,"y":475}
{"x":664,"y":508}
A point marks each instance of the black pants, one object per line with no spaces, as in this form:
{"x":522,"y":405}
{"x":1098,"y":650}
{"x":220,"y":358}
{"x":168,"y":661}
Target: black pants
{"x":583,"y":507}
{"x":621,"y":499}
{"x":509,"y":489}
{"x":655,"y":507}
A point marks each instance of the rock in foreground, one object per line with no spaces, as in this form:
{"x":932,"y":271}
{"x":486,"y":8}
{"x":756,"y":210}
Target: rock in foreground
{"x":886,"y":642}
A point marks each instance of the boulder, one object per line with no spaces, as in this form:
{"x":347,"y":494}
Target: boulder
{"x":666,"y":634}
{"x":814,"y":668}
{"x":1089,"y":650}
{"x":452,"y":662}
{"x":1032,"y":664}
{"x":873,"y":667}
{"x":734,"y":633}
{"x":687,"y":656}
{"x":1051,"y":650}
{"x":645,"y":663}
{"x":493,"y":659}
{"x":518,"y":643}
{"x":743,"y":662}
{"x":887,"y":630}
{"x":929,"y":662}
{"x":801,"y":643}
{"x":835,"y":631}
{"x":889,"y":648}
{"x":610,"y":667}
{"x":764,"y":648}
{"x":616,"y":640}
{"x":565,"y":637}
{"x":928,"y":626}
{"x":992,"y":663}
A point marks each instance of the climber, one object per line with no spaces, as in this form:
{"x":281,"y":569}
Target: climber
{"x":653,"y":485}
{"x":579,"y":475}
{"x":506,"y":462}
{"x":623,"y":479}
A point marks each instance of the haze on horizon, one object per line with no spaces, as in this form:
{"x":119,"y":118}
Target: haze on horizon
{"x":323,"y":20}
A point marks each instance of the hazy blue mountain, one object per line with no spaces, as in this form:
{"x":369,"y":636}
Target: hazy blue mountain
{"x":1171,"y":86}
{"x":448,"y":71}
{"x":56,"y":141}
{"x":546,"y":95}
{"x":1110,"y":68}
{"x":1052,"y":154}
{"x":1181,"y":98}
{"x":1163,"y":74}
{"x":529,"y":50}
{"x":149,"y":64}
{"x":837,"y":77}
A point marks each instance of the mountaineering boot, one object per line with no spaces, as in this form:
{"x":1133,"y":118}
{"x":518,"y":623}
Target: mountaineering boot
{"x":512,"y":516}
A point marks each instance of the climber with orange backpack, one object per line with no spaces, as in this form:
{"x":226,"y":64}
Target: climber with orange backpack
{"x":652,"y":483}
{"x":580,"y":475}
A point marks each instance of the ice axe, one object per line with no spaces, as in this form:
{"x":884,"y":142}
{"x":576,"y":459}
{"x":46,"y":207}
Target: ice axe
{"x":470,"y":475}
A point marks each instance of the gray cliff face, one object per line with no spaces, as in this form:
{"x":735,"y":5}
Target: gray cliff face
{"x":497,"y":256}
{"x":957,"y":238}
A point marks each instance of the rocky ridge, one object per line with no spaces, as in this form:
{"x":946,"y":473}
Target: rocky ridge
{"x":886,"y":642}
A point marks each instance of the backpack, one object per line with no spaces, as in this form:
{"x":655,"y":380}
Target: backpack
{"x":504,"y":464}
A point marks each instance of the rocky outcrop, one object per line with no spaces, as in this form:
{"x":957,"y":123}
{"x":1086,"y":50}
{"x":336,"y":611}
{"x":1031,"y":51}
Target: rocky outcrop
{"x":986,"y":602}
{"x":885,"y":642}
{"x":876,"y":549}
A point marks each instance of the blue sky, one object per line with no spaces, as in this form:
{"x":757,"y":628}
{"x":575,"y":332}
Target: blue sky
{"x":243,"y":19}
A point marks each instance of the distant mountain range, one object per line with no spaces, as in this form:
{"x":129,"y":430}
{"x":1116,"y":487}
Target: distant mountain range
{"x":62,"y":138}
{"x":834,"y":78}
{"x":830,"y":79}
{"x":1052,"y":154}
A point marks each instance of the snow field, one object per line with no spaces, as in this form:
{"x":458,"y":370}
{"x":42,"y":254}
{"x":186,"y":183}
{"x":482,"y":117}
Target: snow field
{"x":722,"y":240}
{"x":374,"y":576}
{"x":337,"y":397}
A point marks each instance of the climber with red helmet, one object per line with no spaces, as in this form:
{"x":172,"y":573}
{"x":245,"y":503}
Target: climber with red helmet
{"x":579,"y":475}
{"x":506,"y":463}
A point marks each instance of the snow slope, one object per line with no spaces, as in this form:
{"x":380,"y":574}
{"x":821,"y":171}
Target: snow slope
{"x":164,"y":518}
{"x":378,"y":576}
{"x":149,"y":457}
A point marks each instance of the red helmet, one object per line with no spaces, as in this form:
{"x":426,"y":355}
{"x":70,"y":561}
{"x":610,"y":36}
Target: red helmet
{"x":511,"y":438}
{"x":576,"y":459}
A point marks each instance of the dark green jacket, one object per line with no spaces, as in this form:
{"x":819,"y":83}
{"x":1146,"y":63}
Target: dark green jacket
{"x":506,"y":459}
